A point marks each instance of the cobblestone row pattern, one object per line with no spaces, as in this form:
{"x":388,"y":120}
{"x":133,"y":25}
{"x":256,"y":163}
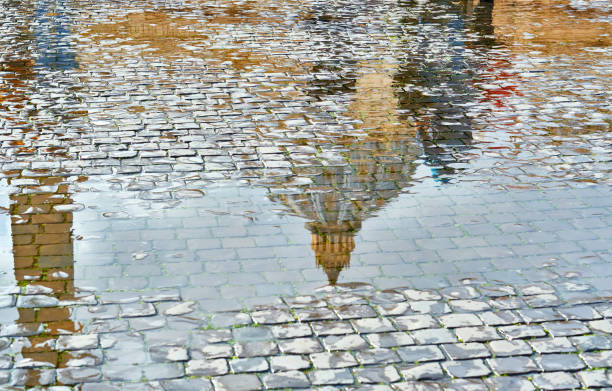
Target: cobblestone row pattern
{"x":186,"y":186}
{"x":271,"y":89}
{"x":350,"y":337}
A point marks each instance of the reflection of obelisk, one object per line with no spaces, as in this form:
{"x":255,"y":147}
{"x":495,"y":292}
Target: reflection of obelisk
{"x":41,"y":223}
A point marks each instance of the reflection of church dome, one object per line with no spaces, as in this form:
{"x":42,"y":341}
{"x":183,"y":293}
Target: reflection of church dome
{"x":340,"y":197}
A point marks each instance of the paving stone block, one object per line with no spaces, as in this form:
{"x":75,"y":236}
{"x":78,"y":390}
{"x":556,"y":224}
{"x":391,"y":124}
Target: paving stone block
{"x":588,"y":343}
{"x":415,"y":322}
{"x":370,"y":387}
{"x":539,"y":315}
{"x":169,"y":353}
{"x":603,"y":326}
{"x":368,"y":375}
{"x":333,"y":360}
{"x":345,"y":342}
{"x":78,"y":375}
{"x":552,"y":345}
{"x":291,"y":330}
{"x":288,"y":363}
{"x":500,"y":383}
{"x":460,"y":292}
{"x":300,"y":346}
{"x":411,"y":354}
{"x":536,"y":289}
{"x":510,"y":348}
{"x":206,"y":367}
{"x":287,"y":380}
{"x":372,"y":325}
{"x":332,"y":328}
{"x":434,"y":336}
{"x":237,"y":383}
{"x":599,"y":359}
{"x":245,"y":365}
{"x":477,"y":334}
{"x":459,"y":320}
{"x":389,"y":340}
{"x":555,"y":381}
{"x":77,"y":342}
{"x":507,"y":303}
{"x":499,"y":318}
{"x":512,"y":365}
{"x":272,"y":316}
{"x":331,"y":377}
{"x":546,"y":300}
{"x":377,"y":356}
{"x":309,"y":315}
{"x":465,"y":384}
{"x":355,"y":312}
{"x":252,"y":334}
{"x":215,"y":350}
{"x":462,"y":351}
{"x":427,"y":371}
{"x":522,"y":331}
{"x":229,"y":319}
{"x":469,"y":305}
{"x":559,"y":362}
{"x":164,"y":371}
{"x":466,"y":368}
{"x":201,"y":337}
{"x":256,"y":348}
{"x":184,"y":385}
{"x":595,"y":378}
{"x":581,"y":312}
{"x":430,"y":307}
{"x":420,"y":295}
{"x":393,"y":309}
{"x":565,"y":329}
{"x":497,"y":290}
{"x":418,"y":386}
{"x":135,"y":310}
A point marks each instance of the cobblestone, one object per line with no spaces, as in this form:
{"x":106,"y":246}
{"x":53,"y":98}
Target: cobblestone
{"x":301,"y":194}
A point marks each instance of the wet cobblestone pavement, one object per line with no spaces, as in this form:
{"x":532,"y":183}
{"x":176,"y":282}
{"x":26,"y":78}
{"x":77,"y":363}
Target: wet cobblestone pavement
{"x":244,"y":195}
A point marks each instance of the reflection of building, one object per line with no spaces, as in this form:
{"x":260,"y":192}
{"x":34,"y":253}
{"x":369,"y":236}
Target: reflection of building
{"x":41,"y":223}
{"x":374,"y":169}
{"x":408,"y":109}
{"x":550,"y":26}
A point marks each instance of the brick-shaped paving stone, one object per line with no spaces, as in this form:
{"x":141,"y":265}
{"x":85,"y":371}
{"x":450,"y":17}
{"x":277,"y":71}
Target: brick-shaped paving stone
{"x":556,"y":381}
{"x":333,"y":360}
{"x":466,"y":368}
{"x":385,"y":374}
{"x":559,"y":362}
{"x":462,"y":351}
{"x":512,"y":365}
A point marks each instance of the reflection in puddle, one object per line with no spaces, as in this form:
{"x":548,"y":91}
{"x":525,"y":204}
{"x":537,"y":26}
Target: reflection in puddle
{"x":222,"y":154}
{"x":41,"y":230}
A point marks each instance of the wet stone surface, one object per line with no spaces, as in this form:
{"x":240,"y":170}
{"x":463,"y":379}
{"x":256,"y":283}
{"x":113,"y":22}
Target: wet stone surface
{"x":305,"y":194}
{"x":121,"y":359}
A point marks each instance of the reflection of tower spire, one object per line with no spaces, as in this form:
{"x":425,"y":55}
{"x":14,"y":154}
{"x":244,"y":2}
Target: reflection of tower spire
{"x":332,"y":245}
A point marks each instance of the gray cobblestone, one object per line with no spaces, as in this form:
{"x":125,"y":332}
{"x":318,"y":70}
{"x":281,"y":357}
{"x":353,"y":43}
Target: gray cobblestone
{"x":428,"y":371}
{"x":333,"y":360}
{"x":512,"y":365}
{"x":555,"y":381}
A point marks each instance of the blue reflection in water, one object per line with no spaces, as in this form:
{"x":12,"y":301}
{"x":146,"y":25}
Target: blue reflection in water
{"x":52,"y":35}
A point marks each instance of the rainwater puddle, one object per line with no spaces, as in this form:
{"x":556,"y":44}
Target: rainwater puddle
{"x":226,"y":153}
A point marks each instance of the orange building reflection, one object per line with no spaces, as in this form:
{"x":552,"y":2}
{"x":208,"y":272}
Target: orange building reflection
{"x":41,"y":224}
{"x":550,"y":26}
